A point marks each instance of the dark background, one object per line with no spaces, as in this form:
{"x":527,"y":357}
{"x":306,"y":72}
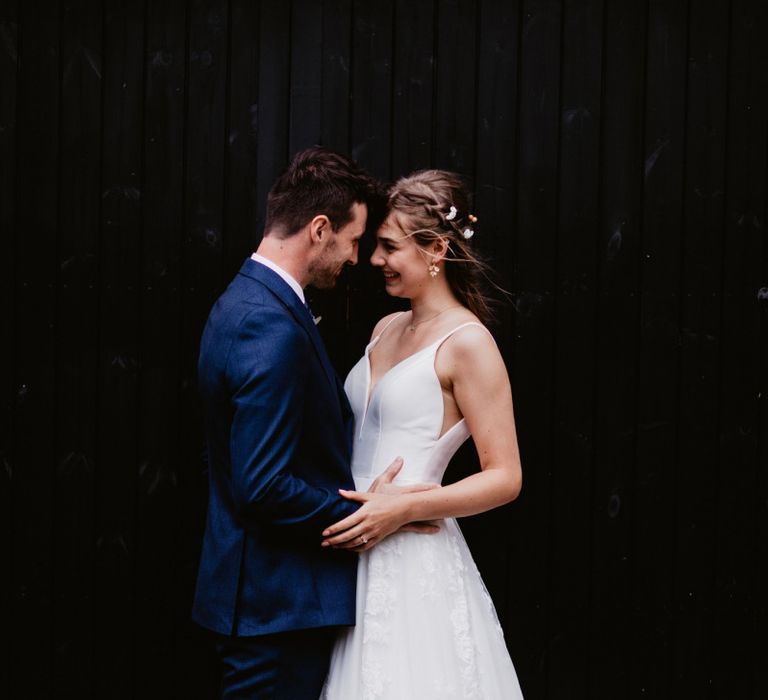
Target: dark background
{"x":617,"y":150}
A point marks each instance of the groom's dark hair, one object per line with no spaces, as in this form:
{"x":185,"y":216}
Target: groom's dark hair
{"x":319,"y":181}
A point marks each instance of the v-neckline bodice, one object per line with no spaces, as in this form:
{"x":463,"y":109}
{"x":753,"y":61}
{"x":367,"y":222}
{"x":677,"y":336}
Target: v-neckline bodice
{"x":370,"y":387}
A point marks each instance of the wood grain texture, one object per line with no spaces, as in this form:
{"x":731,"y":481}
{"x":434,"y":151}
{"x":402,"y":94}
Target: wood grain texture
{"x":617,"y":155}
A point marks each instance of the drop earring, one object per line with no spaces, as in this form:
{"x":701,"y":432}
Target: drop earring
{"x":433,"y":270}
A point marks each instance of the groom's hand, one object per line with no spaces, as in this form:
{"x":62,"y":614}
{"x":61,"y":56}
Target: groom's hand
{"x":383,"y":484}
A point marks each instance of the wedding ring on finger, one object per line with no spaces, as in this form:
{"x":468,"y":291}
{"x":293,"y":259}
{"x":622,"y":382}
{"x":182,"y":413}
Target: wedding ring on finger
{"x":363,"y":540}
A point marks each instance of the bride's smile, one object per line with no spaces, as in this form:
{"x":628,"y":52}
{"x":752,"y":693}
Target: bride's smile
{"x":404,"y":264}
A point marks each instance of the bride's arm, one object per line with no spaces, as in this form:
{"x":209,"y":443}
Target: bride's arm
{"x":470,"y":367}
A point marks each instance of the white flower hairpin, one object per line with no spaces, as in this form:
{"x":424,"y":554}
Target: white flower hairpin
{"x":451,"y":215}
{"x":469,"y":232}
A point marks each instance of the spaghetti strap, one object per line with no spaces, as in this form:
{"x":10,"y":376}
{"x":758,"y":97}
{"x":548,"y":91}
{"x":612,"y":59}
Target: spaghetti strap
{"x":381,"y":332}
{"x":440,"y":341}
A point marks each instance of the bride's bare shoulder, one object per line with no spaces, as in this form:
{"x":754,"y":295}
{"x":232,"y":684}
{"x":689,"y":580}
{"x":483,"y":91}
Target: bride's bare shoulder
{"x":382,"y":323}
{"x":470,"y":343}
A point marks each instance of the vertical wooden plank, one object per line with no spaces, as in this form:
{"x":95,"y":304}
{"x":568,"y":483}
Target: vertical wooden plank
{"x":306,"y":74}
{"x":495,"y":205}
{"x":575,"y":370}
{"x":536,"y":221}
{"x":119,"y":318}
{"x":161,"y":603}
{"x":700,"y":333}
{"x":273,"y":106}
{"x":336,"y":74}
{"x":9,"y":64}
{"x":206,"y":133}
{"x":611,"y":639}
{"x":32,"y":456}
{"x":761,"y":604}
{"x":240,"y":210}
{"x":202,"y":279}
{"x":413,"y":94}
{"x":496,"y":150}
{"x":655,"y":513}
{"x":455,"y":86}
{"x":78,"y":356}
{"x":372,"y":85}
{"x":736,"y":575}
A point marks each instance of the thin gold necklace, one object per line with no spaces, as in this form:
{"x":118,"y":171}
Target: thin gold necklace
{"x":412,"y":326}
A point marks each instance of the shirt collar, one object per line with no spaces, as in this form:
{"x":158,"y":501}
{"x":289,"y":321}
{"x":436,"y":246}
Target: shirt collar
{"x":290,"y":281}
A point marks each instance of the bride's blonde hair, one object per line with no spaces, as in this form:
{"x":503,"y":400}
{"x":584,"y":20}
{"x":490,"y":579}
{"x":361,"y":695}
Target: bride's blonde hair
{"x":433,"y":205}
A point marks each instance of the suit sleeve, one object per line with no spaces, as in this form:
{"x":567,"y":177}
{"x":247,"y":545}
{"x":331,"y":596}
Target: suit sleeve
{"x":267,"y":369}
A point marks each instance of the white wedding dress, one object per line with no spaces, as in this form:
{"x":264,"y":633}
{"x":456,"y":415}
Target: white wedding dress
{"x":426,"y":627}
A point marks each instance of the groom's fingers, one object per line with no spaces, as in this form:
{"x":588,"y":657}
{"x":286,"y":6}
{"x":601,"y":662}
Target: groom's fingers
{"x":388,"y":475}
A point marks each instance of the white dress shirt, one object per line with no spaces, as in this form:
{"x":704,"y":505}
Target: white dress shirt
{"x":290,"y":281}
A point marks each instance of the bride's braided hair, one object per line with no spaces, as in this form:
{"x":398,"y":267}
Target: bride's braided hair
{"x":421,"y":204}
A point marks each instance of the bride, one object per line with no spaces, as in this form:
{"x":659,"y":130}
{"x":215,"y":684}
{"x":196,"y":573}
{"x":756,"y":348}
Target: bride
{"x":430,"y":377}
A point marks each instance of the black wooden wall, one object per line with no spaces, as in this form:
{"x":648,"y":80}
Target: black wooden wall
{"x":618,"y":152}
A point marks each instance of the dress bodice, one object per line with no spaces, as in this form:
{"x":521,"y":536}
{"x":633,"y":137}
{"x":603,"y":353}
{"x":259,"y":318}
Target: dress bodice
{"x":426,"y":627}
{"x":402,"y":416}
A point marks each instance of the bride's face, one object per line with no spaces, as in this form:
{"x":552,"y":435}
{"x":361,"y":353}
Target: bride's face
{"x":402,"y":261}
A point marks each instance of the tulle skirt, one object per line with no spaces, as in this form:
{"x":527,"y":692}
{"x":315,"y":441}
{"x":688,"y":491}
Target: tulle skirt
{"x":426,"y":627}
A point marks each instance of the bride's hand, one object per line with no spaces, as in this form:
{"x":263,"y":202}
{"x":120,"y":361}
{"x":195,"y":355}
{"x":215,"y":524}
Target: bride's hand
{"x":380,"y":515}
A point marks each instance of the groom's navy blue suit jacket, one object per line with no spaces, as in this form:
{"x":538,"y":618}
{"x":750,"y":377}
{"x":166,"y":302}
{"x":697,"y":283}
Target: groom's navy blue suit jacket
{"x":279,"y":438}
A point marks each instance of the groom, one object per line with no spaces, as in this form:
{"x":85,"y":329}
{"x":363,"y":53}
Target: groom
{"x":278,"y":428}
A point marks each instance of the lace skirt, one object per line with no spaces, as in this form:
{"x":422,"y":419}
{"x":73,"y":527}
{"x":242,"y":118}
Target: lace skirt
{"x":426,"y":627}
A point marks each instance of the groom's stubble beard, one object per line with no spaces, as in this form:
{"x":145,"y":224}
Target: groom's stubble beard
{"x":325,"y":270}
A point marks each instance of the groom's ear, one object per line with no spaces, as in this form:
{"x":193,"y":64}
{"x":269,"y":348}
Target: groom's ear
{"x":320,"y":228}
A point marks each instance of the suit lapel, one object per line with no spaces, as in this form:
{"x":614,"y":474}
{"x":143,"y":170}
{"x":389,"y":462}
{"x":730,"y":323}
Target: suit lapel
{"x":272,"y":281}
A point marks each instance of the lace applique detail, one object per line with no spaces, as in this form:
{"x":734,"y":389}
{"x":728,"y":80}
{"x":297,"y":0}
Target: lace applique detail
{"x":444,"y":689}
{"x":425,"y":628}
{"x":487,"y":598}
{"x":427,"y":579}
{"x":459,"y":617}
{"x":492,"y":611}
{"x":380,"y":602}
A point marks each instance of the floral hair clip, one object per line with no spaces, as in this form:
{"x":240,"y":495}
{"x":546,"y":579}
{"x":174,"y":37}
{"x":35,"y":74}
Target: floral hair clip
{"x":469,"y":232}
{"x":451,"y":215}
